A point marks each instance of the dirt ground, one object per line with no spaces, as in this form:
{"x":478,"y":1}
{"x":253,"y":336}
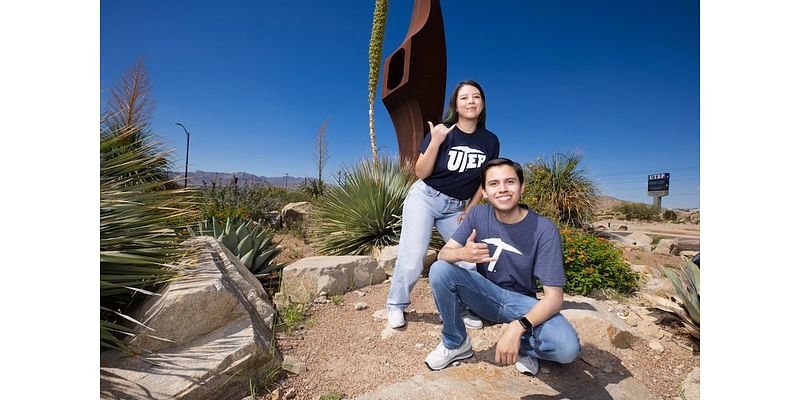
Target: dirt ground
{"x":347,"y":352}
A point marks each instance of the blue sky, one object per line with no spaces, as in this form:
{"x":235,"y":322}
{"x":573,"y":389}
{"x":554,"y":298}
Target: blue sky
{"x":616,"y":81}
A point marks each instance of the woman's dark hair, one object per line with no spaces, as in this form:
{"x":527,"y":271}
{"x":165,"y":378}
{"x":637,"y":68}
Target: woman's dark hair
{"x":501,"y":161}
{"x":451,"y":116}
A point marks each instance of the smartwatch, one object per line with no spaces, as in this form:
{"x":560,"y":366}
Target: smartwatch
{"x":525,"y":323}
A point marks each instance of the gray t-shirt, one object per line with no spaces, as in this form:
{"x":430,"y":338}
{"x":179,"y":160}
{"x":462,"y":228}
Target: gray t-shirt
{"x":528,"y":250}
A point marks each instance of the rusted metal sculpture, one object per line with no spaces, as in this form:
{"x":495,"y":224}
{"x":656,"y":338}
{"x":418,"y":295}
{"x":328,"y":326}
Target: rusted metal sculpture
{"x":414,"y":78}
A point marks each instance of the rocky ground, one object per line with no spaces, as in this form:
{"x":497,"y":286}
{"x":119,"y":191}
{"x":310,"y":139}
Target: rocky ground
{"x":347,"y":351}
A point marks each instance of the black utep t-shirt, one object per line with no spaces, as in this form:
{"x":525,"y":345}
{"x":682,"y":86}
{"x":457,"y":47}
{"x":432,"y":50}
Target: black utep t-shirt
{"x":457,"y":172}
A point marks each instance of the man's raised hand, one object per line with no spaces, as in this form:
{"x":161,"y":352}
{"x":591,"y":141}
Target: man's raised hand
{"x":476,"y":252}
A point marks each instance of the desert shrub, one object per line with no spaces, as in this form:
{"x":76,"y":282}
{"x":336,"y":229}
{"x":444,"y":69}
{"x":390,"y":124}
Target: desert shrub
{"x":669,"y":215}
{"x":558,"y":189}
{"x":637,"y":211}
{"x":594,"y":263}
{"x":247,"y":202}
{"x":364,"y":211}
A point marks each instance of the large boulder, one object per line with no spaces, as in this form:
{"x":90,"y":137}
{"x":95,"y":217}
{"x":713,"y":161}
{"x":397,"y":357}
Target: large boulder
{"x":690,"y":387}
{"x":667,"y":246}
{"x":387,"y":258}
{"x":639,"y":240}
{"x":306,"y":279}
{"x":209,"y":335}
{"x":295,"y":213}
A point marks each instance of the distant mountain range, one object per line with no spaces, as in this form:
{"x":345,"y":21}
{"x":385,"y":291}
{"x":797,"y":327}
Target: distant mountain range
{"x":200,"y":178}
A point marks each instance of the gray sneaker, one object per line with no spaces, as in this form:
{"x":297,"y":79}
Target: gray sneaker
{"x":528,"y":365}
{"x":472,"y":321}
{"x":441,"y":357}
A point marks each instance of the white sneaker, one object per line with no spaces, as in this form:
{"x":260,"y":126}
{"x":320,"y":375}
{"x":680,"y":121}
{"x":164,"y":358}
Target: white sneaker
{"x":472,"y":321}
{"x":441,"y":357}
{"x":527,"y":365}
{"x":396,"y":318}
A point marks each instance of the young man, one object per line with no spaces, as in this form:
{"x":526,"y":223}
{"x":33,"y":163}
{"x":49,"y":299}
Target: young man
{"x":512,"y":247}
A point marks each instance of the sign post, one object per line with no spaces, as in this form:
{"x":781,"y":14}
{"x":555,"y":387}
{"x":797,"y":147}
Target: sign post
{"x":658,"y":187}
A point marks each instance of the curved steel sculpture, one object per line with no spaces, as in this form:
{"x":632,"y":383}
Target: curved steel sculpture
{"x":414,"y":78}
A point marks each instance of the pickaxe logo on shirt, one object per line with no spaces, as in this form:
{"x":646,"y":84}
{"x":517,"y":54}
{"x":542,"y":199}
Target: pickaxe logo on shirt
{"x":499,"y":247}
{"x":461,"y":158}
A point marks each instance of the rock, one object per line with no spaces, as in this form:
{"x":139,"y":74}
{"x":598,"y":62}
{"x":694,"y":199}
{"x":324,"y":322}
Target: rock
{"x":640,"y":240}
{"x":306,"y":278}
{"x":688,"y":253}
{"x":666,"y":246}
{"x":622,"y":228}
{"x":321,"y":300}
{"x":656,"y":345}
{"x":690,"y":388}
{"x":387,"y":258}
{"x":361,"y":306}
{"x":359,"y":293}
{"x":295,"y":213}
{"x":687,"y":244}
{"x":380,"y":314}
{"x":290,"y":394}
{"x":293,"y":365}
{"x":621,"y":339}
{"x":217,"y":322}
{"x":476,"y":380}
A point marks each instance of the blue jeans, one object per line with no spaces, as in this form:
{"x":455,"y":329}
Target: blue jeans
{"x":454,"y":288}
{"x":424,"y":208}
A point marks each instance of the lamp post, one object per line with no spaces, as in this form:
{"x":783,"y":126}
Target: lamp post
{"x":186,"y":171}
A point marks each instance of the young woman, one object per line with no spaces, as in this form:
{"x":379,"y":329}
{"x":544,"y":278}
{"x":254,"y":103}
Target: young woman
{"x":449,"y":171}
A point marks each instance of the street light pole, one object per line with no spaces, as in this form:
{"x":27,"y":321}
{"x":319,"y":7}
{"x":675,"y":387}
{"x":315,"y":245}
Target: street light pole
{"x":186,"y":170}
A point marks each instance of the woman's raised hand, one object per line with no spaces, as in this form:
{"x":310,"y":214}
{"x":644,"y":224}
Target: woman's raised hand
{"x":439,"y":132}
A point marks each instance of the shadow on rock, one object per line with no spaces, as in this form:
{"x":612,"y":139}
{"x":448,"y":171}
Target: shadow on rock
{"x":588,"y":377}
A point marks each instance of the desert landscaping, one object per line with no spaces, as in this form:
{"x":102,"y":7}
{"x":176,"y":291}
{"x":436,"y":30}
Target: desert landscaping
{"x":345,"y":350}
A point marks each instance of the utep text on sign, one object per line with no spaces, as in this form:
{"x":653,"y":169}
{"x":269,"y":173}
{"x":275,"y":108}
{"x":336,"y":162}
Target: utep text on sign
{"x":658,"y":184}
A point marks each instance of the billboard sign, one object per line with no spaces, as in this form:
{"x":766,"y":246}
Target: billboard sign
{"x":658,"y":184}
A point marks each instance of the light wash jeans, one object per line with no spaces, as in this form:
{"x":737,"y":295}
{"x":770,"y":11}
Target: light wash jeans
{"x":424,"y":208}
{"x":454,"y":288}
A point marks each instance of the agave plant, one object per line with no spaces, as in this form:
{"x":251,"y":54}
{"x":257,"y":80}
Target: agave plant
{"x":364,"y":212}
{"x":139,"y":249}
{"x":686,"y":281}
{"x":251,"y":242}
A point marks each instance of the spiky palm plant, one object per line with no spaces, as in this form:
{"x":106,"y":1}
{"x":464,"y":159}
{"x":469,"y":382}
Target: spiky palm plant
{"x":559,"y":189}
{"x":375,"y":53}
{"x":365,"y":211}
{"x":139,"y":249}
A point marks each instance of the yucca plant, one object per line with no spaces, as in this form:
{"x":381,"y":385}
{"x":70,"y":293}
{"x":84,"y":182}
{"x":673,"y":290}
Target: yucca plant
{"x":559,"y":189}
{"x":251,"y":242}
{"x":686,"y":281}
{"x":139,"y":207}
{"x":364,"y":212}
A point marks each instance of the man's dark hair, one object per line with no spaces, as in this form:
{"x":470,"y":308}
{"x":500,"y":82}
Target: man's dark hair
{"x":501,"y":161}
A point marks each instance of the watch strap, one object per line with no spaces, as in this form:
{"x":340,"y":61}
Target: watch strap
{"x":525,"y":323}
